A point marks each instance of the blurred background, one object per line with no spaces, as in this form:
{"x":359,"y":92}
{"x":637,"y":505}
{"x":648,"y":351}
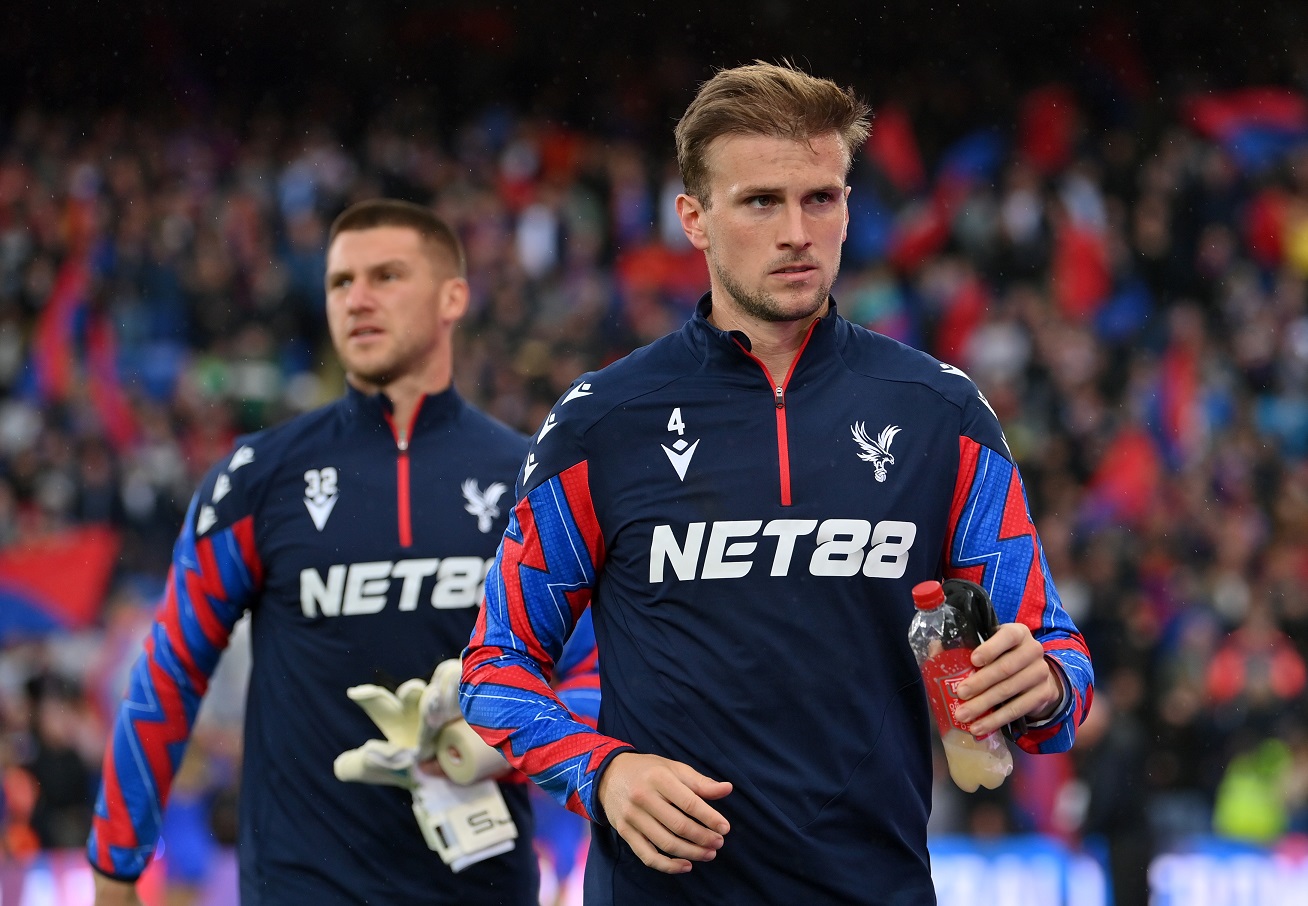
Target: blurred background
{"x":1100,"y":213}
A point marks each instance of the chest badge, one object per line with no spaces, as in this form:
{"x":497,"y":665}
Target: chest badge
{"x":483,"y":504}
{"x":876,"y":451}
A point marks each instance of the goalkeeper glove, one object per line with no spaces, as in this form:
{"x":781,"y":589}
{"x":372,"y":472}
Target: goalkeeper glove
{"x":437,"y":706}
{"x":463,"y":824}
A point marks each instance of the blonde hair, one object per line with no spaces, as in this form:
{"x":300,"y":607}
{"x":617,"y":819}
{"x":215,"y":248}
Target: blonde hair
{"x":765,"y":99}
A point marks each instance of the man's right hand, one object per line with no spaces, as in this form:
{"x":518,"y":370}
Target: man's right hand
{"x":109,"y":892}
{"x":658,"y":806}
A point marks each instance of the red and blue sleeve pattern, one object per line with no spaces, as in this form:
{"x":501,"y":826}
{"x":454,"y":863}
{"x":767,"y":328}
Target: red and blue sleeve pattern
{"x":536,"y":594}
{"x":993,"y":542}
{"x":576,"y":675}
{"x":209,"y":584}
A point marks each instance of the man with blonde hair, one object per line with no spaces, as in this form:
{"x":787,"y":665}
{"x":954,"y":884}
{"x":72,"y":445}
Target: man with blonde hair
{"x":745,"y":506}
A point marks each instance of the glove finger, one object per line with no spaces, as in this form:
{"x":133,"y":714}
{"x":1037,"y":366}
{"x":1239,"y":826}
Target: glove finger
{"x":464,"y":757}
{"x":376,"y":762}
{"x":388,"y":755}
{"x":384,"y":708}
{"x":410,"y":694}
{"x":440,"y":702}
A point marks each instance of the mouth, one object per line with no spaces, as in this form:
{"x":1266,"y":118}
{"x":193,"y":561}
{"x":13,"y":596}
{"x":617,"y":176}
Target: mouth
{"x":363,"y":333}
{"x":794,"y":271}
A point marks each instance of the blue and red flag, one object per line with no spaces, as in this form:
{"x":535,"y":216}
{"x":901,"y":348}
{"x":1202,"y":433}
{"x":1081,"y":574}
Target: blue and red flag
{"x":1257,"y":126}
{"x":54,"y":361}
{"x":74,"y":342}
{"x":56,"y":582}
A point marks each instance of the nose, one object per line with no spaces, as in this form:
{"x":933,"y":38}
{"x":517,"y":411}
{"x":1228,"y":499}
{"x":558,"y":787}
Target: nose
{"x":794,"y":229}
{"x":357,"y":297}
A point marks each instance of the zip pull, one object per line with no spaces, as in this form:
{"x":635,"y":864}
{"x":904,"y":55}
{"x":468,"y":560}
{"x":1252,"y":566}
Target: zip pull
{"x":781,"y":397}
{"x":402,"y":443}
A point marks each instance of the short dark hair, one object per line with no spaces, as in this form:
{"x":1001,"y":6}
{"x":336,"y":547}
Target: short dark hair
{"x":392,"y":212}
{"x":765,"y":99}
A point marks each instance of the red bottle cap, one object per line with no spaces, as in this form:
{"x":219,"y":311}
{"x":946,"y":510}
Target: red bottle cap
{"x":928,"y":595}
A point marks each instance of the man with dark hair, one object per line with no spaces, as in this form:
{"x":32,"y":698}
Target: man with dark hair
{"x":745,"y":506}
{"x":357,"y":537}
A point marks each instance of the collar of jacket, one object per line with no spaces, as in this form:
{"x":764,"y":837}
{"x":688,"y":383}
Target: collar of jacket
{"x":434,"y":409}
{"x":699,"y":325}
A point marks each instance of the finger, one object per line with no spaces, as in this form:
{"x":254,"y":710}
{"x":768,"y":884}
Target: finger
{"x":1006,"y":637}
{"x":1009,"y":700}
{"x":1004,"y":714}
{"x":679,"y":820}
{"x":649,"y":854}
{"x":700,"y":788}
{"x":1011,"y":662}
{"x":670,"y":831}
{"x":984,"y":693}
{"x":1001,"y":681}
{"x":667,"y":800}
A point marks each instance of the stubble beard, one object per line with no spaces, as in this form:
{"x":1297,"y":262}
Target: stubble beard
{"x":376,"y":372}
{"x":764,"y":306}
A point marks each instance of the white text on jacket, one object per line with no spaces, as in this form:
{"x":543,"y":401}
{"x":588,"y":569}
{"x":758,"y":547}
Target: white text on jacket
{"x":362,"y":588}
{"x":842,"y":547}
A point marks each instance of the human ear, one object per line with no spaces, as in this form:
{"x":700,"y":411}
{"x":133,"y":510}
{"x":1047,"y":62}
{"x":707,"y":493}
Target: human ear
{"x":454,"y":297}
{"x":690,"y":211}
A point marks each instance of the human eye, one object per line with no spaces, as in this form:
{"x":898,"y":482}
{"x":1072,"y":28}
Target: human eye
{"x":760,"y":201}
{"x":822,"y":198}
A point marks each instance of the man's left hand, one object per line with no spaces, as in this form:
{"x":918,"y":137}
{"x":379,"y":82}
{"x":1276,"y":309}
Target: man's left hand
{"x":1012,"y":679}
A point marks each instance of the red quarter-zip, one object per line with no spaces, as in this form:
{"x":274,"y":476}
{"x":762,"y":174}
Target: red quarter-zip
{"x":779,"y":396}
{"x":402,"y":474}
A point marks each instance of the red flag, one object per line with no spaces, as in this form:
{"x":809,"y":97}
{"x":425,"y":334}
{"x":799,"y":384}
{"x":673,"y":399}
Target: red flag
{"x":1264,"y":224}
{"x":966,"y":308}
{"x":1047,"y":127}
{"x":105,"y":385}
{"x":893,"y":148}
{"x":1125,"y":485}
{"x":920,"y":231}
{"x":1080,"y":271}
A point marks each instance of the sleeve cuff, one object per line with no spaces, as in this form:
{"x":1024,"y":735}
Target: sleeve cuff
{"x":596,"y":807}
{"x":1064,"y":702}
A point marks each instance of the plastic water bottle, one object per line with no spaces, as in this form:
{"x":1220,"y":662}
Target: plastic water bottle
{"x":943,"y":637}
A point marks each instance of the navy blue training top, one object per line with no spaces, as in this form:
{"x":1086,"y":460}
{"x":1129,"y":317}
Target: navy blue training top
{"x":359,"y":548}
{"x":747,"y":544}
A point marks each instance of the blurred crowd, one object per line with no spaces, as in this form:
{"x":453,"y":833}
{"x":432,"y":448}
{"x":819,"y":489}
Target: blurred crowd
{"x":1127,"y":283}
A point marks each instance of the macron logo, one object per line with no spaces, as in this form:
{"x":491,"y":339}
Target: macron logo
{"x":547,"y":427}
{"x":529,"y":467}
{"x":579,"y":390}
{"x":319,"y":510}
{"x":242,"y":457}
{"x":681,"y":458}
{"x":206,"y":520}
{"x":950,"y":369}
{"x":222,"y":487}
